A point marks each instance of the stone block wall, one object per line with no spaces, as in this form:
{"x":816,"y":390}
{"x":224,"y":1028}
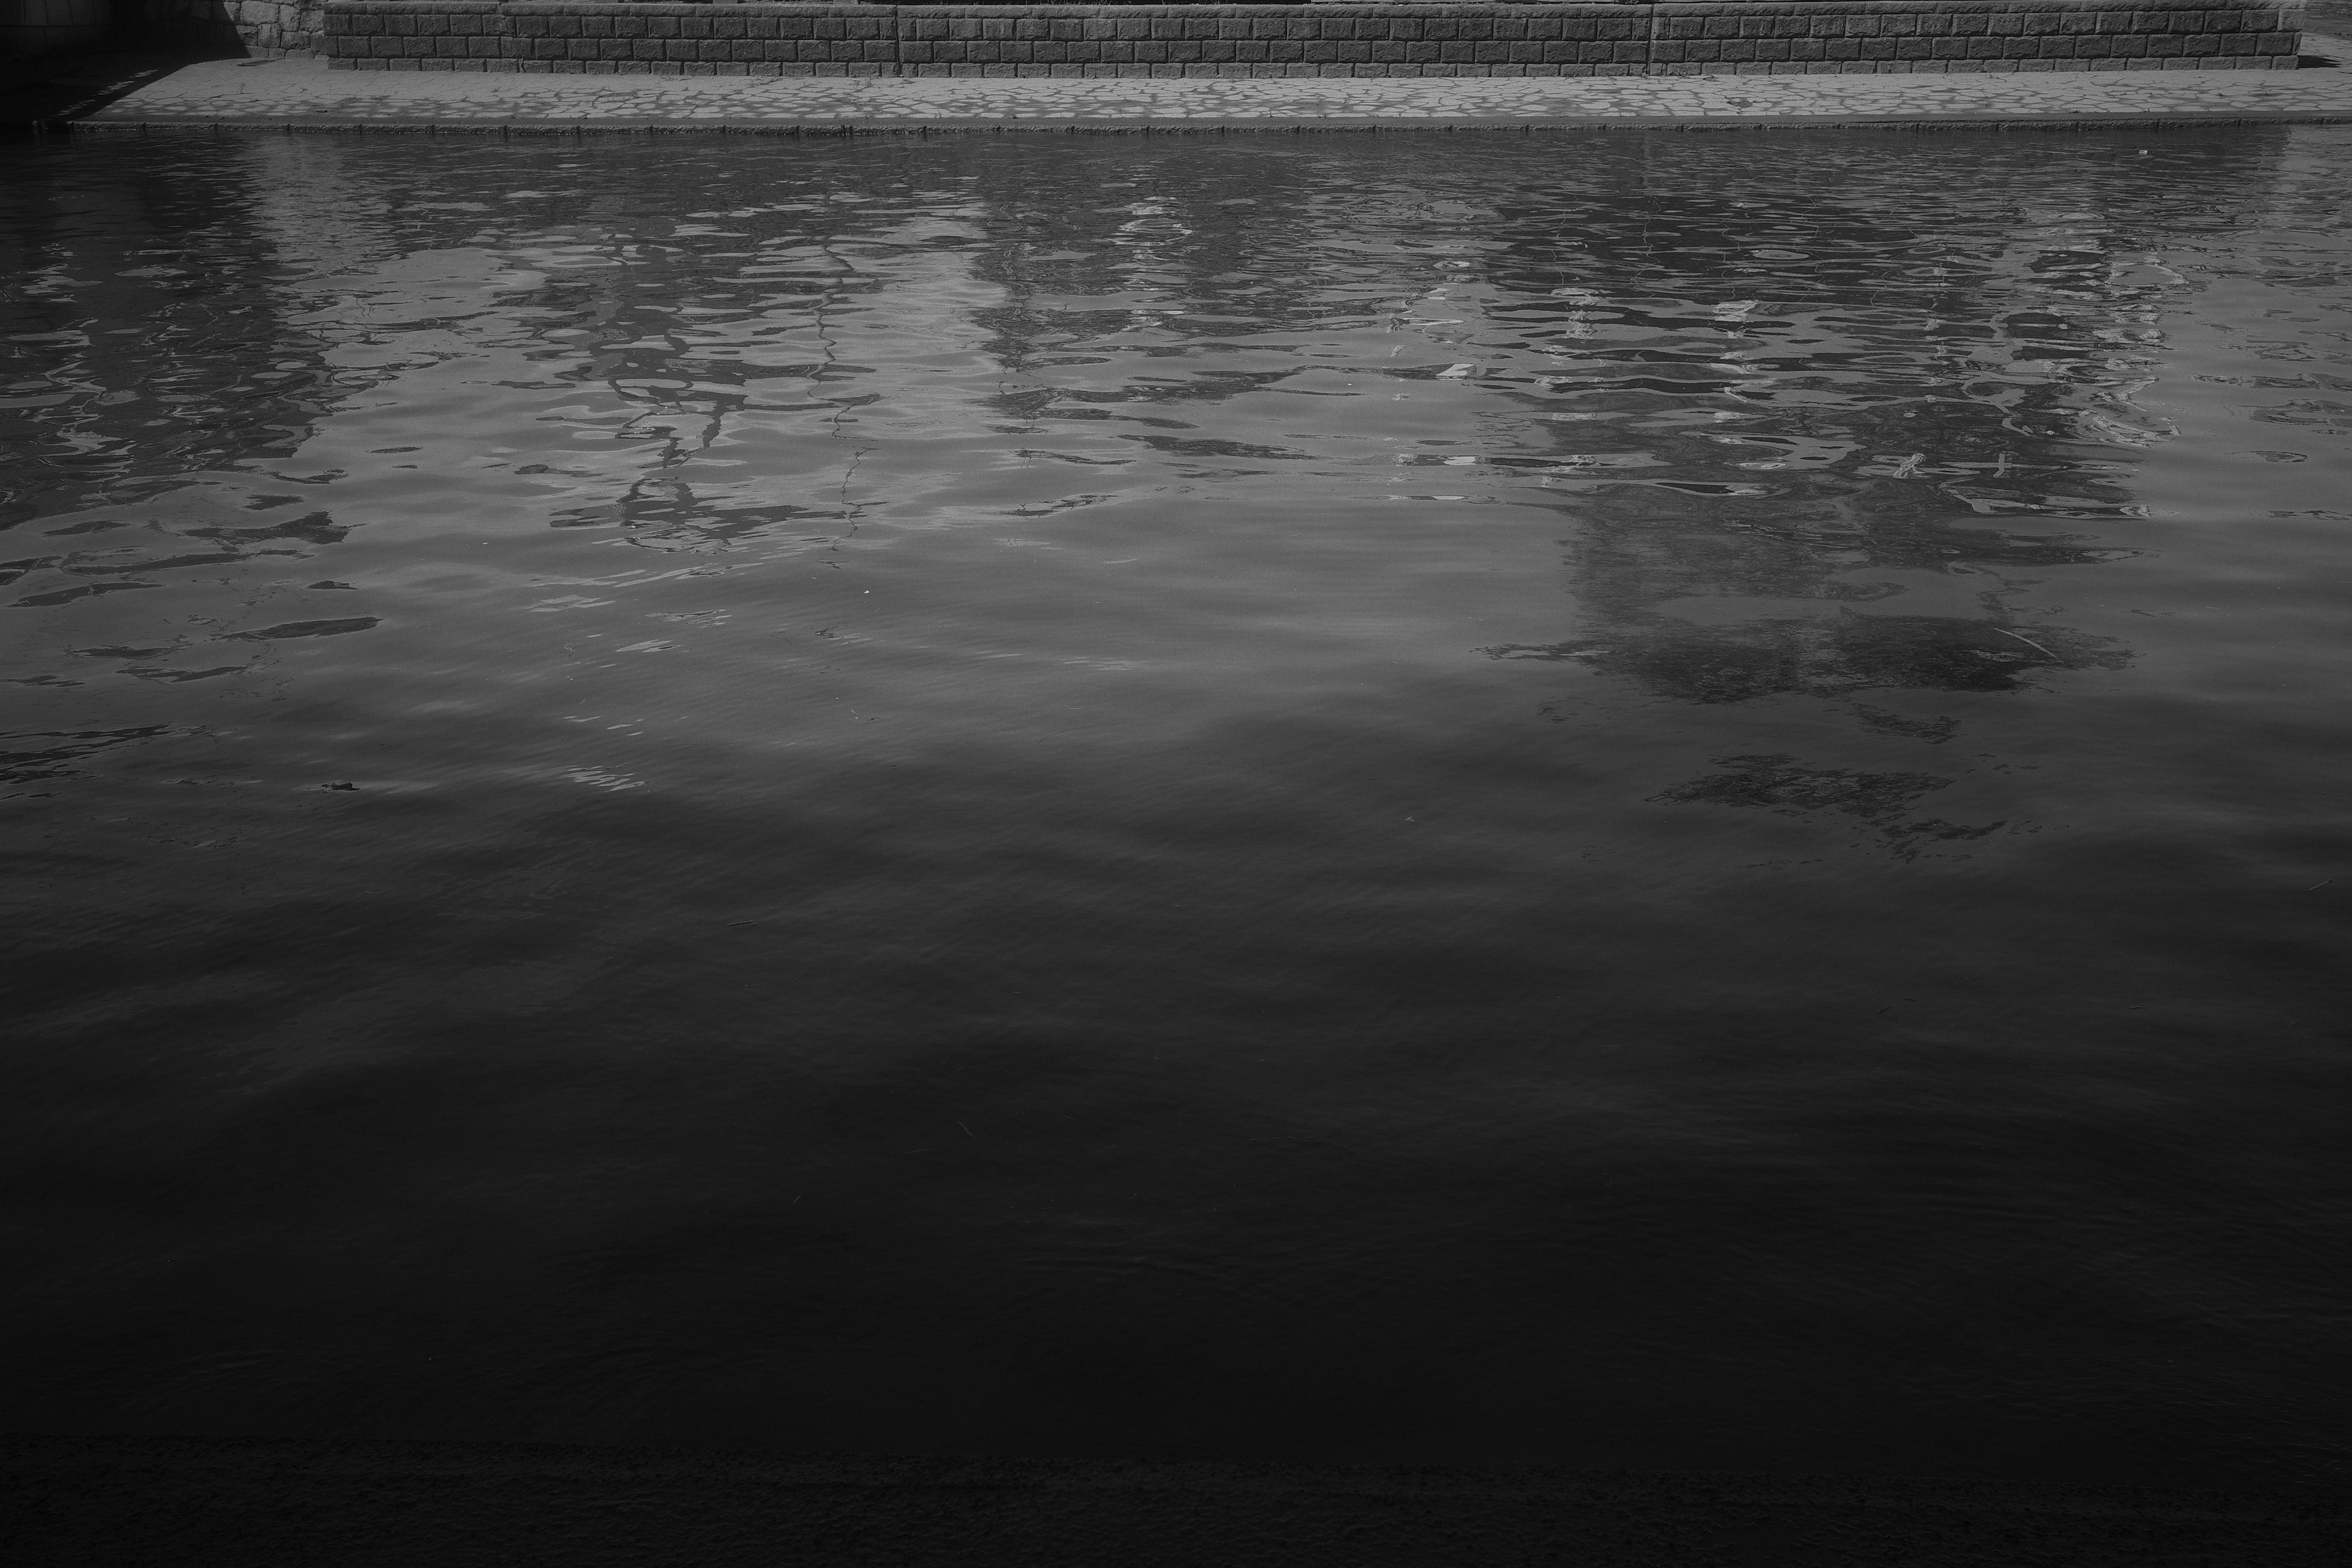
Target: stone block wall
{"x":1331,"y":37}
{"x":1971,"y":36}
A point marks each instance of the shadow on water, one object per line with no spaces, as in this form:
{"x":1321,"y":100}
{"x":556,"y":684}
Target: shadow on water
{"x":1418,"y":801}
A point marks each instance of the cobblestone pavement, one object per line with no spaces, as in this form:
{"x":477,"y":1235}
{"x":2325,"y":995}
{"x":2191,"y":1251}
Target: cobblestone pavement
{"x":303,"y":92}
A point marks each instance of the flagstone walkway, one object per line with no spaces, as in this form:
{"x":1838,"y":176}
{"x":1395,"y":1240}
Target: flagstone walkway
{"x":303,"y":94}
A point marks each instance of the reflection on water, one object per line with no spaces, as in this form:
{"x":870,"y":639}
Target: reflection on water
{"x":1617,"y":801}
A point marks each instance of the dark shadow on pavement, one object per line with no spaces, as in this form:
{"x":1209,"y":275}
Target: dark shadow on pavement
{"x":49,"y":94}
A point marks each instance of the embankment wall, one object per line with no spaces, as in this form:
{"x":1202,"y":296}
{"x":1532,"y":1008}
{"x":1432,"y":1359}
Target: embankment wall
{"x":1322,"y":37}
{"x":844,"y":37}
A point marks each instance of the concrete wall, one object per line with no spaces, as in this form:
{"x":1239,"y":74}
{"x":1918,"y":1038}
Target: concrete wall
{"x":847,"y":38}
{"x":31,"y":28}
{"x":256,"y":27}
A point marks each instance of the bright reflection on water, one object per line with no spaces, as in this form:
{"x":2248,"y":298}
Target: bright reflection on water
{"x":1633,"y":801}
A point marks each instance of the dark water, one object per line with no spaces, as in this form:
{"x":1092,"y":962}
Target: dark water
{"x":1632,"y":801}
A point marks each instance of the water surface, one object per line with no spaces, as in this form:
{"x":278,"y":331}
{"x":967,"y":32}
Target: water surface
{"x":1654,"y":801}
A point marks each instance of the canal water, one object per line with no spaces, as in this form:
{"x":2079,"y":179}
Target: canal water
{"x":1641,"y":801}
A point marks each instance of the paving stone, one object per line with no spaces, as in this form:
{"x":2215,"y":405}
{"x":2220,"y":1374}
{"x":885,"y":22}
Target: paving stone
{"x":302,"y":91}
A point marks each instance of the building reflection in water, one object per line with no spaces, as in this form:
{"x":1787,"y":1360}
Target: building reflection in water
{"x":1856,"y":451}
{"x":1801,"y":447}
{"x":159,"y":464}
{"x":1815,"y":439}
